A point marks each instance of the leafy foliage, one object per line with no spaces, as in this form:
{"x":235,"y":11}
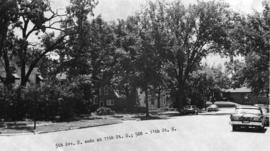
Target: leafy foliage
{"x":158,"y":48}
{"x":205,"y":82}
{"x":190,"y":33}
{"x":251,"y":39}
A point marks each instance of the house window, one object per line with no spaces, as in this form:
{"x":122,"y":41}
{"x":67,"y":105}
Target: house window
{"x":149,"y":97}
{"x":96,"y":100}
{"x":164,"y":100}
{"x":106,"y":91}
{"x":161,"y":100}
{"x":152,"y":100}
{"x":262,"y":95}
{"x":109,"y":102}
{"x":101,"y":103}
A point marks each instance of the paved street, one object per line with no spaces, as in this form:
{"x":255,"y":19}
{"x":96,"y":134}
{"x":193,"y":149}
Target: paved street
{"x":185,"y":133}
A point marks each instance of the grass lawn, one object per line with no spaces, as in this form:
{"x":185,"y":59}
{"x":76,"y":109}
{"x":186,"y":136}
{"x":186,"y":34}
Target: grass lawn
{"x":26,"y":127}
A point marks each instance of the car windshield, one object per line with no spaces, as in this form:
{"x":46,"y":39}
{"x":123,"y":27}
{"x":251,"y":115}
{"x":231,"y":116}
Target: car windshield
{"x":189,"y":107}
{"x":213,"y":106}
{"x":248,"y":111}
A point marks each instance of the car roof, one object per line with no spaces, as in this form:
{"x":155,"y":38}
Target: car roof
{"x":190,"y":105}
{"x":261,"y":105}
{"x":247,"y":107}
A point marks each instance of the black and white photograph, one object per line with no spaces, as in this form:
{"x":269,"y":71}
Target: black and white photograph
{"x":134,"y":75}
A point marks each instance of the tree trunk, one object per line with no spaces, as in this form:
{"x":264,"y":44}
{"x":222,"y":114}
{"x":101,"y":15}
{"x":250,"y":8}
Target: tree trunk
{"x":146,"y":103}
{"x":23,"y":65}
{"x":128,"y":105}
{"x":9,"y":79}
{"x":181,"y":97}
{"x":158,"y":100}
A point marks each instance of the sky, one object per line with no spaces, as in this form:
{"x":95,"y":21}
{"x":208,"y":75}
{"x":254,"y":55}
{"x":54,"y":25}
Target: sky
{"x":115,"y":9}
{"x":120,"y":9}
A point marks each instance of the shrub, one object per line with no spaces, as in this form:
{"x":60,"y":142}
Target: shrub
{"x":140,"y":109}
{"x":47,"y":101}
{"x":11,"y":108}
{"x":104,"y":111}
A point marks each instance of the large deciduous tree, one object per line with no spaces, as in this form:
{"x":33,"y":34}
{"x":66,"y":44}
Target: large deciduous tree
{"x":126,"y":40}
{"x":8,"y":15}
{"x":74,"y":56}
{"x":33,"y":38}
{"x":172,"y":39}
{"x":251,"y":38}
{"x":195,"y":31}
{"x":102,"y":54}
{"x":205,"y":82}
{"x":91,"y":51}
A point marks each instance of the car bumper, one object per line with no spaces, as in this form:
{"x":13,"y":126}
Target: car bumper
{"x":212,"y":110}
{"x":257,"y":124}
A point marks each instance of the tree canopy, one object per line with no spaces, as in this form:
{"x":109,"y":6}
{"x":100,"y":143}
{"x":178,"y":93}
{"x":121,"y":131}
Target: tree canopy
{"x":251,"y":39}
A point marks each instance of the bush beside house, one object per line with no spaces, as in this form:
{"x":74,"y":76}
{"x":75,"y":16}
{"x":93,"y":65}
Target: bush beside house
{"x":46,"y":102}
{"x":105,"y":111}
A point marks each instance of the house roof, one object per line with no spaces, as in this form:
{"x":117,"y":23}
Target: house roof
{"x":118,"y":95}
{"x":237,"y":90}
{"x":40,"y":77}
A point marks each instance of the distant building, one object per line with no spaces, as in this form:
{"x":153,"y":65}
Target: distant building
{"x":245,"y":96}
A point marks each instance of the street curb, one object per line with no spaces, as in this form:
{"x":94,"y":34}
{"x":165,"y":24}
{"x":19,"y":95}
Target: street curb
{"x":18,"y":134}
{"x":44,"y":132}
{"x":215,"y":113}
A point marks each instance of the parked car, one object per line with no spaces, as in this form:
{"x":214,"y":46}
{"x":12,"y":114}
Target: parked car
{"x":266,"y":115}
{"x":212,"y":108}
{"x":265,"y":106}
{"x":247,"y":117}
{"x":265,"y":110}
{"x":226,"y":104}
{"x":190,"y":109}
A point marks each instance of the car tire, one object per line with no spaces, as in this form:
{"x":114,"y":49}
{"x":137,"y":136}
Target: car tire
{"x":266,"y":124}
{"x":234,"y":127}
{"x":261,"y":128}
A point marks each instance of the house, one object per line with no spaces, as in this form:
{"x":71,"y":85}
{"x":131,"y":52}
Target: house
{"x":136,"y":102}
{"x":245,"y":96}
{"x":109,"y":97}
{"x":156,"y":101}
{"x":105,"y":96}
{"x":34,"y":78}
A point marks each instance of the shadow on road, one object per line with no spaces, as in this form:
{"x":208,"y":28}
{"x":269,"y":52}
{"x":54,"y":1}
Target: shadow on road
{"x":251,"y":130}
